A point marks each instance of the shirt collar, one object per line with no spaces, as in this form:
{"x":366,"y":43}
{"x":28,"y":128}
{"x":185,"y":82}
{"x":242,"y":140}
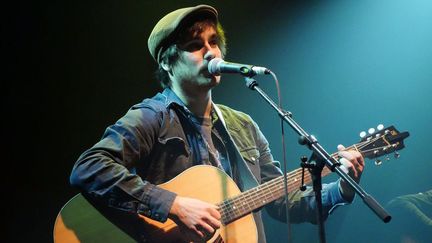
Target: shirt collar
{"x":171,"y":99}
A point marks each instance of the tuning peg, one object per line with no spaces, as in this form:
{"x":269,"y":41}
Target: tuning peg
{"x":378,"y":162}
{"x":371,"y":130}
{"x":396,"y":155}
{"x":387,"y":158}
{"x":380,"y":127}
{"x":362,"y":134}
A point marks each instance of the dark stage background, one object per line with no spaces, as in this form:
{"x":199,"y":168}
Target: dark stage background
{"x":71,"y":68}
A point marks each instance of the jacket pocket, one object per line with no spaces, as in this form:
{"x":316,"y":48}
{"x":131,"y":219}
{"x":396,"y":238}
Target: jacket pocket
{"x":250,"y":155}
{"x":174,"y":147}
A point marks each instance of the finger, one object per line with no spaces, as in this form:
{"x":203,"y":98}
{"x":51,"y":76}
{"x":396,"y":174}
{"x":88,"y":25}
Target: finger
{"x":357,"y":158}
{"x":347,"y":155}
{"x":204,"y":226}
{"x":357,"y":162}
{"x":215,"y":213}
{"x":198,"y":232}
{"x":351,"y":155}
{"x":355,"y":169}
{"x":213,"y":222}
{"x":346,"y":165}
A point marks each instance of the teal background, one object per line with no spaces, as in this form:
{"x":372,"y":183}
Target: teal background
{"x":73,"y":68}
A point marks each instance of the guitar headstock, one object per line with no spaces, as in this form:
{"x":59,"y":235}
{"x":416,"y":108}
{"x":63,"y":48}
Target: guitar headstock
{"x":381,"y":142}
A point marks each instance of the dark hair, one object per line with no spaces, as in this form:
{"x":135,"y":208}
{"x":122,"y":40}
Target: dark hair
{"x":171,"y":54}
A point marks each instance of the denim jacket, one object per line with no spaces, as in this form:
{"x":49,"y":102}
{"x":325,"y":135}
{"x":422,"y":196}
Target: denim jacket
{"x":149,"y":145}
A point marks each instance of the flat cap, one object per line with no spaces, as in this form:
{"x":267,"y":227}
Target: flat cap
{"x":167,"y":27}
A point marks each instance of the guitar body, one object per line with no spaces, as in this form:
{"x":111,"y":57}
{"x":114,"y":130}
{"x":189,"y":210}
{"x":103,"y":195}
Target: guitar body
{"x":81,"y":220}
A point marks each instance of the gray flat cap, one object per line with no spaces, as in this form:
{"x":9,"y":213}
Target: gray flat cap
{"x":161,"y":36}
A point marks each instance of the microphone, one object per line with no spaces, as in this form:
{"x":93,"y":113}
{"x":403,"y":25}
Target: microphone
{"x":217,"y":66}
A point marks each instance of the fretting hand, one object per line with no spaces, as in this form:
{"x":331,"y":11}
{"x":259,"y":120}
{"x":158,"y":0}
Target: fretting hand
{"x":353,"y":161}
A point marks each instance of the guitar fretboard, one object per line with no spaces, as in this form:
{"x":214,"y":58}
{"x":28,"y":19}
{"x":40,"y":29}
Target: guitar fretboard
{"x":234,"y":208}
{"x":372,"y":146}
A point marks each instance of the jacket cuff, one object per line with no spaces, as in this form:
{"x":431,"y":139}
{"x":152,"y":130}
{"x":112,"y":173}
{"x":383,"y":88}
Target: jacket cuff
{"x":159,"y":203}
{"x":334,"y":195}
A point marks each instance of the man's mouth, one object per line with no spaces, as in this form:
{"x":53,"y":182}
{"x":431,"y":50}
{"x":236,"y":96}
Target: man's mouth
{"x":206,"y":73}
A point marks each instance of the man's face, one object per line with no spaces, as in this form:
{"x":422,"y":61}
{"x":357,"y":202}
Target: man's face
{"x":190,"y":70}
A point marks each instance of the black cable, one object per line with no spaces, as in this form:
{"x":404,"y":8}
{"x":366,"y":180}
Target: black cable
{"x":285,"y":171}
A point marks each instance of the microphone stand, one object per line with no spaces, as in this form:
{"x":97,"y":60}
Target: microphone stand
{"x":320,"y":158}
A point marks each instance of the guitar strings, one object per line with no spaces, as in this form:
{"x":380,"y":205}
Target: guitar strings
{"x":226,"y":206}
{"x":229,"y":205}
{"x":234,"y":207}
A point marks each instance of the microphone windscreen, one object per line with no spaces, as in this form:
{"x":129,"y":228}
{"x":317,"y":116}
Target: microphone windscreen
{"x":213,"y":66}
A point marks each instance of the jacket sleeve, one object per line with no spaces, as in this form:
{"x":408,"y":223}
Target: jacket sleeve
{"x":302,"y":204}
{"x":106,"y":171}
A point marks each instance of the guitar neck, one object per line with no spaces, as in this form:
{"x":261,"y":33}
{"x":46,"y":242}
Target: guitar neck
{"x":382,"y":142}
{"x":234,"y":208}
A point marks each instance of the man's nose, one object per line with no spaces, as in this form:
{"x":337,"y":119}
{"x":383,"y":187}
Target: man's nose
{"x":210,"y":52}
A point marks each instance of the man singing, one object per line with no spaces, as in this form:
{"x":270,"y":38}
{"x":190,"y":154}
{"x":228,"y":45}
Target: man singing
{"x":182,"y":127}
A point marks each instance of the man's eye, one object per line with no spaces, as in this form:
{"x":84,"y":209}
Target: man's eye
{"x":193,"y":46}
{"x":213,"y":43}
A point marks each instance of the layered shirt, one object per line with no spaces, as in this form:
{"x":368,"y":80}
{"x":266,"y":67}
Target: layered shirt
{"x":160,"y":137}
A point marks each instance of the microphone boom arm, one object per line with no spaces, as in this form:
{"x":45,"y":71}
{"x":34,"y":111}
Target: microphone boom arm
{"x":321,"y":156}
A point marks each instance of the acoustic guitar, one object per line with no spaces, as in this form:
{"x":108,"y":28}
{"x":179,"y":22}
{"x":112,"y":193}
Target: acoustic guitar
{"x":84,"y":220}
